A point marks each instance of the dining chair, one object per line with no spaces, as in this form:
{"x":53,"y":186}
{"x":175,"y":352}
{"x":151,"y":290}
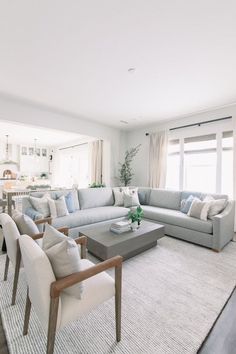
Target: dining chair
{"x":56,"y":309}
{"x":11,"y":235}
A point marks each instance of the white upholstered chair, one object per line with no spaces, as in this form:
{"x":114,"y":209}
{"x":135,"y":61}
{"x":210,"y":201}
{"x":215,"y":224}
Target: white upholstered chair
{"x":54,"y":308}
{"x":11,"y":235}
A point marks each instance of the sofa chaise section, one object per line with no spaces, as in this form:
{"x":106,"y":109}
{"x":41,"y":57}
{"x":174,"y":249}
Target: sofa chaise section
{"x":163,"y":207}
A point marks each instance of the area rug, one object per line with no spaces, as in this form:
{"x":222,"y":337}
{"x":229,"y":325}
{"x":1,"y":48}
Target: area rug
{"x":172,"y":294}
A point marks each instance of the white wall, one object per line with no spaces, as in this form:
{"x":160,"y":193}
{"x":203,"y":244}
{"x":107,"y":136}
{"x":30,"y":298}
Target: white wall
{"x":15,"y":110}
{"x":135,"y":137}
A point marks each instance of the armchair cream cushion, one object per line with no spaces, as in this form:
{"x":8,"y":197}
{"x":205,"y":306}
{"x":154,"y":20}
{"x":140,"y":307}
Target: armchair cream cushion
{"x":64,"y":256}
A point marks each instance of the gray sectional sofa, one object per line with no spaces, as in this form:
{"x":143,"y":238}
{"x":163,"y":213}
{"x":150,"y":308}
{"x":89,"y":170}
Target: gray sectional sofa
{"x":159,"y":205}
{"x":163,"y":206}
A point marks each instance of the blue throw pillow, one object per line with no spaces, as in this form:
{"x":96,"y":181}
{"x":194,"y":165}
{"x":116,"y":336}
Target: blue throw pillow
{"x":70,"y":202}
{"x":186,"y":204}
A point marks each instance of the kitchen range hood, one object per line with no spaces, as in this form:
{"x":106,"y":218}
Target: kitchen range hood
{"x":7,"y":161}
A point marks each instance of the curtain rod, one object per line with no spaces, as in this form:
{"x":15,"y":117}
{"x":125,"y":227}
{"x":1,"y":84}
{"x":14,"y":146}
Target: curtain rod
{"x":72,"y":146}
{"x":198,"y":124}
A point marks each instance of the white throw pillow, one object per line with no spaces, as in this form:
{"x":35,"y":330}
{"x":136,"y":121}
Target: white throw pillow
{"x":119,"y":195}
{"x":58,"y":207}
{"x":63,"y":254}
{"x":199,"y":209}
{"x":41,"y":204}
{"x":131,"y":198}
{"x":216,"y":206}
{"x":51,"y":237}
{"x":25,"y":224}
{"x":75,"y":199}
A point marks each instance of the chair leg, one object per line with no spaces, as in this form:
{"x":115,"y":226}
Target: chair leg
{"x":27,"y":314}
{"x":118,"y":282}
{"x":16,"y":275}
{"x":52,"y":324}
{"x":6,"y":268}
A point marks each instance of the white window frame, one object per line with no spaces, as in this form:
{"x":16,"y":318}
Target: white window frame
{"x":211,"y":128}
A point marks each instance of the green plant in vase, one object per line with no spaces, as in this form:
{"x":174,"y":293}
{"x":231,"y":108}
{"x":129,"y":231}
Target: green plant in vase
{"x":135,"y":216}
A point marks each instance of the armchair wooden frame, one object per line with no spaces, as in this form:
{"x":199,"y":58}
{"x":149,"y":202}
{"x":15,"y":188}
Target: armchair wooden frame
{"x":59,"y":285}
{"x":64,"y":230}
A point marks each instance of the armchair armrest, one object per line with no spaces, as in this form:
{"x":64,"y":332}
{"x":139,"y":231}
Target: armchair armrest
{"x":63,"y":283}
{"x":82,"y":240}
{"x":37,"y":236}
{"x":43,"y":221}
{"x":64,"y":230}
{"x":223,"y":226}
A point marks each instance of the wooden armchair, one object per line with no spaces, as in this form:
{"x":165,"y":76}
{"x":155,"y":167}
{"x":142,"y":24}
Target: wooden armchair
{"x":56,"y":309}
{"x":11,"y":235}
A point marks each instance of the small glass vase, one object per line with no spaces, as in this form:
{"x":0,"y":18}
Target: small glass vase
{"x":134,"y":225}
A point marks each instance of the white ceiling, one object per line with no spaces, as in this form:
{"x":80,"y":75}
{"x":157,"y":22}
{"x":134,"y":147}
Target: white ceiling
{"x":75,"y":55}
{"x":23,"y":134}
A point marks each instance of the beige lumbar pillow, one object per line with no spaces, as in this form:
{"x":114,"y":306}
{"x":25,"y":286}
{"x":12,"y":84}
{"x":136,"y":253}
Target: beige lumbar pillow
{"x":25,"y":224}
{"x":119,"y":195}
{"x":63,"y":254}
{"x":58,"y":207}
{"x":216,"y":205}
{"x":131,"y":198}
{"x":199,"y":209}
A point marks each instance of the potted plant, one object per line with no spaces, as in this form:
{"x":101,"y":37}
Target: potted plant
{"x":97,"y":185}
{"x":135,"y":216}
{"x":125,"y":168}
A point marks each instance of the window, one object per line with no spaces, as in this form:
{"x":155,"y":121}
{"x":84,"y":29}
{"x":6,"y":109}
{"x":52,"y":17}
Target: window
{"x":227,"y":164}
{"x":173,"y":164}
{"x":200,"y":163}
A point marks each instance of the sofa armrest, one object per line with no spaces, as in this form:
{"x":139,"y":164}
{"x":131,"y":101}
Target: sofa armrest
{"x":223,"y":226}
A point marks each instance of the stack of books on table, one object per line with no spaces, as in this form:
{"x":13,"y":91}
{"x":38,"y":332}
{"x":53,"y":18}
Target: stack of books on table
{"x":120,"y":226}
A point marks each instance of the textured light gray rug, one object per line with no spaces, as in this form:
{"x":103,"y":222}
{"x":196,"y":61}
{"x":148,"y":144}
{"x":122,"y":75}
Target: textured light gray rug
{"x":172,"y":295}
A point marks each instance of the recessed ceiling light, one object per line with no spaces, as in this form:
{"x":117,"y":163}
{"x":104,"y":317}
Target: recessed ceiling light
{"x":124,"y":122}
{"x":131,"y":70}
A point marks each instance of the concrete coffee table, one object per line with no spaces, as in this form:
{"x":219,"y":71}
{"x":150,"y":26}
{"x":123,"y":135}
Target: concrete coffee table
{"x":105,"y":244}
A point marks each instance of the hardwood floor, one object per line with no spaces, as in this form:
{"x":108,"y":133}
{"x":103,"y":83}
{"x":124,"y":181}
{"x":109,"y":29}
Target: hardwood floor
{"x":221,"y":340}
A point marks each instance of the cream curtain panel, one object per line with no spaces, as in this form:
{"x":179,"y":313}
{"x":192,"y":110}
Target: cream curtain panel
{"x":96,"y":161}
{"x":158,"y":159}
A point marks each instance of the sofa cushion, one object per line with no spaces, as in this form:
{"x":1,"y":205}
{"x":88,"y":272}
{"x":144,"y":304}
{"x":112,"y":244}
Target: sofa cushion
{"x":25,"y":224}
{"x":67,"y":193}
{"x":58,"y":207}
{"x":186,"y":204}
{"x":41,"y":204}
{"x":64,"y":257}
{"x":131,"y":198}
{"x":199,"y":209}
{"x":165,"y":198}
{"x":118,"y":193}
{"x":186,"y":194}
{"x":90,"y":216}
{"x":144,"y":195}
{"x":95,"y":197}
{"x":175,"y":217}
{"x":70,"y":202}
